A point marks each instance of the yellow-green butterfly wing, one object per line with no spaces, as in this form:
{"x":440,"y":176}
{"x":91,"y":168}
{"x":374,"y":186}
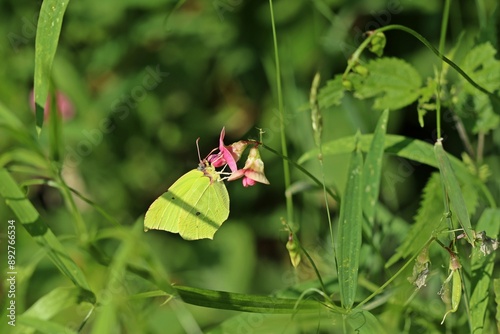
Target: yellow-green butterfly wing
{"x":195,"y":206}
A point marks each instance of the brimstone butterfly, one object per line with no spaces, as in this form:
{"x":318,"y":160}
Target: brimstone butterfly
{"x":195,"y":206}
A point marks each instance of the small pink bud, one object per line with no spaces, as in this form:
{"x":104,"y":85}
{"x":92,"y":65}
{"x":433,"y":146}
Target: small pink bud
{"x":64,"y":105}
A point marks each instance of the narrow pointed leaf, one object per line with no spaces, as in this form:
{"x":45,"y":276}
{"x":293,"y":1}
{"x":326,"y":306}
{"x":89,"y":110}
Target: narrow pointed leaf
{"x":47,"y":37}
{"x":349,"y":231}
{"x":245,"y":303}
{"x":373,"y":168}
{"x":453,"y":191}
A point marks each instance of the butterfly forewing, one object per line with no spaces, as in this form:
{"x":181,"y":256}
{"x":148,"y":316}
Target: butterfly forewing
{"x":164,"y":213}
{"x":195,"y":206}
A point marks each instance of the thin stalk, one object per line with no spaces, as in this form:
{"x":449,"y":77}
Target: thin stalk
{"x":281,"y":110}
{"x":442,"y":39}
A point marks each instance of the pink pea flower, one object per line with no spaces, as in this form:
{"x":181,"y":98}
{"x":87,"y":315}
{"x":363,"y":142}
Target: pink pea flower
{"x":228,"y":155}
{"x":253,"y":170}
{"x":64,"y":105}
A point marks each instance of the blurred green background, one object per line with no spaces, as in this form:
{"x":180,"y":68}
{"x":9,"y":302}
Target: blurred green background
{"x":147,"y":78}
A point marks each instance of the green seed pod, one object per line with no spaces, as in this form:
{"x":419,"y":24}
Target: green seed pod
{"x":456,"y":293}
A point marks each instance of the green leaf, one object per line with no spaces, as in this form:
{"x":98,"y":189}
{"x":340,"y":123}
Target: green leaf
{"x":363,"y":322}
{"x":496,"y":289}
{"x":453,"y":191}
{"x":47,"y":37}
{"x":391,"y":81}
{"x":482,"y":66}
{"x":331,"y":94}
{"x":482,"y":271}
{"x":42,"y":234}
{"x":349,"y":231}
{"x":427,"y":220}
{"x":244,"y":302}
{"x":373,"y":168}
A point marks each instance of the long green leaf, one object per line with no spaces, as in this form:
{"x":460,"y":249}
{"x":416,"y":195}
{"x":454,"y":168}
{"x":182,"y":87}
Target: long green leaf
{"x":245,"y":303}
{"x":349,"y":231}
{"x":453,"y":191}
{"x":373,"y":168}
{"x":29,"y":217}
{"x":47,"y":37}
{"x":482,"y":269}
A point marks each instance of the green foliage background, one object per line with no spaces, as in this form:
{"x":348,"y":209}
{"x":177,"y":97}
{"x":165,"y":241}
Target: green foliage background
{"x":147,"y":78}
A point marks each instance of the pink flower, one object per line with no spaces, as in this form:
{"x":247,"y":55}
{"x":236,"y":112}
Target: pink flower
{"x":253,"y":170}
{"x":64,"y":105}
{"x":228,"y":155}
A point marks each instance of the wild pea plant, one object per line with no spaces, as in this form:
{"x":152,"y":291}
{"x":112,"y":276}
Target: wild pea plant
{"x":440,"y":278}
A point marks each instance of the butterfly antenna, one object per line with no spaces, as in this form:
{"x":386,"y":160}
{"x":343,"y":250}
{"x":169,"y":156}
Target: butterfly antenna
{"x":198,"y":148}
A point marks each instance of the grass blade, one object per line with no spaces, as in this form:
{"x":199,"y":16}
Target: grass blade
{"x":372,"y":169}
{"x":30,"y":219}
{"x":245,"y":303}
{"x":47,"y":37}
{"x":44,"y":326}
{"x":349,"y":231}
{"x":51,"y":304}
{"x":453,"y":191}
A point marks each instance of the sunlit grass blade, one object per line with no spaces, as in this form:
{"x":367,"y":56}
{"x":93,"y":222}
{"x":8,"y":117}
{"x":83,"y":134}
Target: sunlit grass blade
{"x":44,"y":326}
{"x":244,"y":302}
{"x":30,"y":218}
{"x":453,"y":191}
{"x":349,"y":231}
{"x":47,"y":38}
{"x":482,"y":270}
{"x":373,"y":168}
{"x":51,"y":304}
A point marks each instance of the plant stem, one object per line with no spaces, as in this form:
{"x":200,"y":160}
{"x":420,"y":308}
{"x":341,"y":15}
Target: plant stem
{"x":442,"y":39}
{"x":281,"y":109}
